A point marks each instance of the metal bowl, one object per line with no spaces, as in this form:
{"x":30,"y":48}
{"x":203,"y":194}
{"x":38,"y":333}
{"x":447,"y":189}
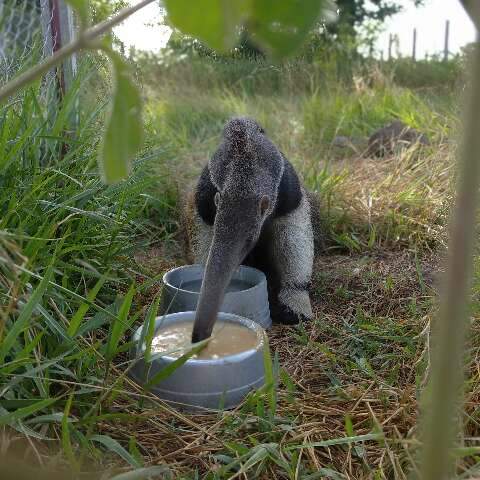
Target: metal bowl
{"x":248,"y":295}
{"x":203,"y":383}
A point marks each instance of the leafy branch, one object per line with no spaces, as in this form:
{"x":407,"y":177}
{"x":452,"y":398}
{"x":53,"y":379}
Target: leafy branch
{"x":279,"y":27}
{"x":84,"y":40}
{"x":123,"y":135}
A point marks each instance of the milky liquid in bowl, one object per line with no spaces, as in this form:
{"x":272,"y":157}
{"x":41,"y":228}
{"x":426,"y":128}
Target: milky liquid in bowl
{"x":201,"y":383}
{"x":227,"y":339}
{"x":235,"y":285}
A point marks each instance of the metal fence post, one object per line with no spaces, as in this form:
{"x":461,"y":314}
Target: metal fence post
{"x":58,"y":30}
{"x":67,"y":29}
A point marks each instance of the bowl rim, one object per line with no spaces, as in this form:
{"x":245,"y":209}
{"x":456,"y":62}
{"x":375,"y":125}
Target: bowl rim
{"x":232,"y":358}
{"x":187,"y":267}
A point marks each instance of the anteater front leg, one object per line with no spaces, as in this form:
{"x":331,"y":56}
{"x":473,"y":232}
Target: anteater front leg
{"x":292,"y":253}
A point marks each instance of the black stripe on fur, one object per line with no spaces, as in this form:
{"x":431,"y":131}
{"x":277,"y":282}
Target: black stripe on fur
{"x":205,"y":197}
{"x":289,"y":191}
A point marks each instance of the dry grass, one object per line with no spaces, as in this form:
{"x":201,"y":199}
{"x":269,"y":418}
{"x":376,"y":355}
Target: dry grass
{"x":360,"y":360}
{"x":360,"y":366}
{"x":399,"y":201}
{"x":357,"y":369}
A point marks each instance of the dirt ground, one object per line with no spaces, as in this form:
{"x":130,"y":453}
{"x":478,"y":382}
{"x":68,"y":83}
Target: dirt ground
{"x":356,"y":368}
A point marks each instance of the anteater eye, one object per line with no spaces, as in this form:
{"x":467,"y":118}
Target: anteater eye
{"x":264,"y":205}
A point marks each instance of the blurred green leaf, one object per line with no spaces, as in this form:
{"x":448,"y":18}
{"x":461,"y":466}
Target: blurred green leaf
{"x":324,"y":473}
{"x":257,"y":454}
{"x":81,"y":7}
{"x":339,"y":441}
{"x":269,"y":376}
{"x":462,"y":452}
{"x":148,"y":330}
{"x":123,"y":134}
{"x":289,"y":384}
{"x":349,"y":426}
{"x":215,"y":22}
{"x":133,"y":449}
{"x":281,"y":27}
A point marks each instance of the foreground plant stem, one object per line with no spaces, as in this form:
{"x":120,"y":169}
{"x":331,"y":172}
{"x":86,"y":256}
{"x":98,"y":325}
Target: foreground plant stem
{"x":84,"y":39}
{"x":447,"y":366}
{"x":472,"y":7}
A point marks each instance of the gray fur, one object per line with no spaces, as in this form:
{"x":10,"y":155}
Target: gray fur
{"x":293,"y":252}
{"x":246,"y":172}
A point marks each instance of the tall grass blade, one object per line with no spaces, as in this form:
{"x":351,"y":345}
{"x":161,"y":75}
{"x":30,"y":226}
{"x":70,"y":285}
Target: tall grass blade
{"x":115,"y":447}
{"x":83,"y":309}
{"x":339,"y":441}
{"x":148,"y":330}
{"x":25,"y":315}
{"x":26,"y":411}
{"x":168,"y":370}
{"x":145,"y":473}
{"x":119,"y":324}
{"x":66,"y":443}
{"x":269,"y":376}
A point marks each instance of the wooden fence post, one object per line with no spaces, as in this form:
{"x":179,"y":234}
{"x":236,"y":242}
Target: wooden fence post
{"x":447,"y":39}
{"x":414,"y":47}
{"x":390,"y":44}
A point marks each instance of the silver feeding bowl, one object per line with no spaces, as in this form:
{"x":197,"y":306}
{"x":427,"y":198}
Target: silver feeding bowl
{"x":246,"y":296}
{"x":202,"y":383}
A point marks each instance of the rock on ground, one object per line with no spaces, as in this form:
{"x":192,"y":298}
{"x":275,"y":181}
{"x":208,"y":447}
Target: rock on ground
{"x":392,"y":136}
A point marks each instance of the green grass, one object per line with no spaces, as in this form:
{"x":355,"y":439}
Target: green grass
{"x":80,"y":264}
{"x":67,"y":243}
{"x":303,"y":118}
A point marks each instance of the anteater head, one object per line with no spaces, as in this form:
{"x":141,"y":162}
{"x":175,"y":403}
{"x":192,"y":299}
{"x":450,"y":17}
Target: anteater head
{"x":246,"y":171}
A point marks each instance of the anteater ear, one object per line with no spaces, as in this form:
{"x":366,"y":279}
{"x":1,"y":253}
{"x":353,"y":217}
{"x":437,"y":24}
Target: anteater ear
{"x":264,"y":205}
{"x":216,"y":199}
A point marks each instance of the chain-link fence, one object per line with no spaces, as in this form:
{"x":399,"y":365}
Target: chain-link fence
{"x":31,"y":30}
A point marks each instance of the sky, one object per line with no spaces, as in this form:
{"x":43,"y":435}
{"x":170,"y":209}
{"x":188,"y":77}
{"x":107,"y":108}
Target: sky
{"x":143,"y":31}
{"x":430,"y":23}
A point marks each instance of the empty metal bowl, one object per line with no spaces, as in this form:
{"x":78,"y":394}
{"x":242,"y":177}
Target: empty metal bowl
{"x":203,"y":383}
{"x":246,"y":296}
